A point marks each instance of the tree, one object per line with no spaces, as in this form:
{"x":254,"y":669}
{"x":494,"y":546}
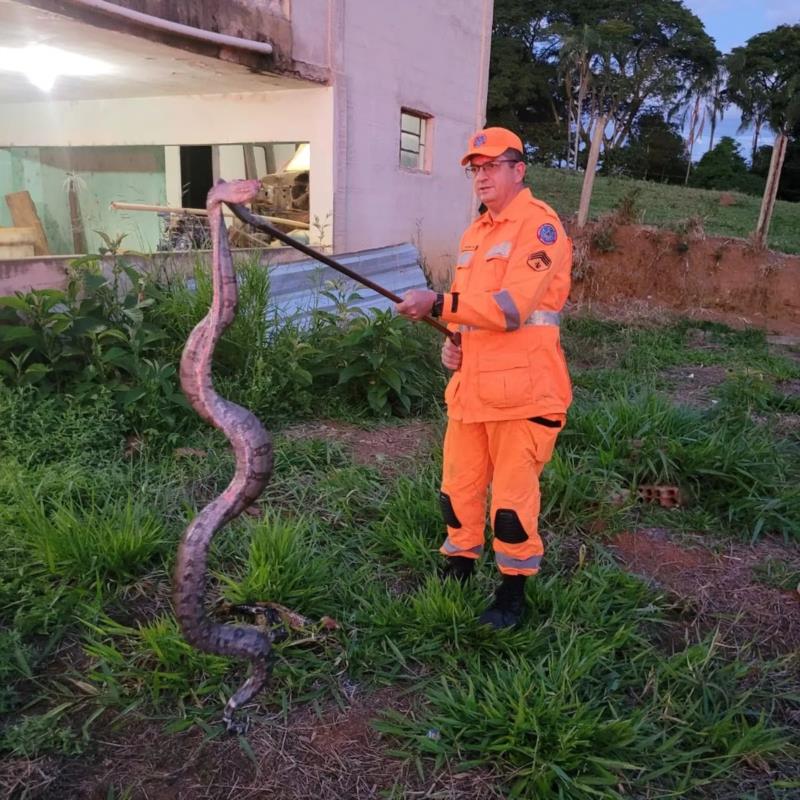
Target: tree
{"x":524,"y":89}
{"x":765,"y":83}
{"x":574,"y":70}
{"x":724,"y":167}
{"x":655,"y":151}
{"x":588,"y":57}
{"x":765,"y":78}
{"x":641,"y":55}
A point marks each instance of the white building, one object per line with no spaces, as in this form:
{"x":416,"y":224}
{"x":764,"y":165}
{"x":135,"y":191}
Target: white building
{"x":384,"y":93}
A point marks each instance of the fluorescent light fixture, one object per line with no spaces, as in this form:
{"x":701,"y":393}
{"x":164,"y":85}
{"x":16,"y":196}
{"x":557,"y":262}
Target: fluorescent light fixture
{"x":301,"y":160}
{"x":42,"y":64}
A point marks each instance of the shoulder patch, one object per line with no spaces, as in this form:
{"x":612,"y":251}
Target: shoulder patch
{"x":547,"y":234}
{"x":539,"y":261}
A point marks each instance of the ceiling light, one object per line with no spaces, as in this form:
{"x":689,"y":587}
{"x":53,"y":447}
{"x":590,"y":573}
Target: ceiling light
{"x":42,"y":64}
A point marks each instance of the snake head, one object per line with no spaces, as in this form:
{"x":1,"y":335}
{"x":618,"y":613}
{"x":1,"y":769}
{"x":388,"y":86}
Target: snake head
{"x":232,"y":192}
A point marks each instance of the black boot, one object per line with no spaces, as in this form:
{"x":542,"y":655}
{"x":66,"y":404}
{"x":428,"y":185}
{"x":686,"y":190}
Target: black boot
{"x":509,"y":603}
{"x":458,"y":567}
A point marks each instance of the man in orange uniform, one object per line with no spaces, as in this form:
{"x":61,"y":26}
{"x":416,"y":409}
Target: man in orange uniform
{"x":510,"y":389}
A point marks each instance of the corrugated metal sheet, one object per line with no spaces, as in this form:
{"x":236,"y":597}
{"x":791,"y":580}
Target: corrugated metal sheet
{"x":296,"y":288}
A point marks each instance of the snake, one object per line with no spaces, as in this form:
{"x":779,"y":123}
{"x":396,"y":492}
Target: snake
{"x":252,"y":446}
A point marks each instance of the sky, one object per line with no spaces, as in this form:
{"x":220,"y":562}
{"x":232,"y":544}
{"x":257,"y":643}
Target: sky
{"x":731,"y":24}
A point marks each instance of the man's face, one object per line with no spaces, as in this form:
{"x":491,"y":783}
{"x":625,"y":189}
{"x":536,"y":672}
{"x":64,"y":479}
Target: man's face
{"x":498,"y":183}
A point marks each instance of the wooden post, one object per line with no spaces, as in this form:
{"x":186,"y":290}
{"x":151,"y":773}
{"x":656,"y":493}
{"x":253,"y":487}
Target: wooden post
{"x":771,"y":189}
{"x":24,"y":214}
{"x":75,"y":220}
{"x":591,"y":168}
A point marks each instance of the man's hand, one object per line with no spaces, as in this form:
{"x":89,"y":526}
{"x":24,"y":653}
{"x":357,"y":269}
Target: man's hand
{"x":417,"y":303}
{"x":451,"y":355}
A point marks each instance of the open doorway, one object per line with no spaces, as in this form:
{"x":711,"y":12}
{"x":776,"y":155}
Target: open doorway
{"x":197,"y":175}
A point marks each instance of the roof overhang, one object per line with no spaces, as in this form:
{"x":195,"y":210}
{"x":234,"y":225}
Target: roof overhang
{"x":129,"y":62}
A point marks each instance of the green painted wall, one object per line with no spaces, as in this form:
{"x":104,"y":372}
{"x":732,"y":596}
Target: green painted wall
{"x":5,"y":187}
{"x":130,"y":174}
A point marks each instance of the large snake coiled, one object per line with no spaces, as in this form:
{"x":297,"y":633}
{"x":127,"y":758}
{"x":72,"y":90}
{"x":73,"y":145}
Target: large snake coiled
{"x":252,"y":447}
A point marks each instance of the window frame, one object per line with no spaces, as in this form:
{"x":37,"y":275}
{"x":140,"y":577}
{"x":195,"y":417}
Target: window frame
{"x":423,"y":137}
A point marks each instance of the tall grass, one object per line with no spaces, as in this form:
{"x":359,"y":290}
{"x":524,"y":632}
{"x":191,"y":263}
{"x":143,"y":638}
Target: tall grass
{"x":101,"y":542}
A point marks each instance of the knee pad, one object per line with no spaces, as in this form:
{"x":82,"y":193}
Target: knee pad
{"x":448,"y":514}
{"x":508,"y":528}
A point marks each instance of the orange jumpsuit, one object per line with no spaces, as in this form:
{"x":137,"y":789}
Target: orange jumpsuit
{"x":508,"y":401}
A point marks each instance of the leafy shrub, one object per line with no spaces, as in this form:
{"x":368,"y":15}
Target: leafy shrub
{"x":122,"y":337}
{"x":94,"y":334}
{"x":374,"y":359}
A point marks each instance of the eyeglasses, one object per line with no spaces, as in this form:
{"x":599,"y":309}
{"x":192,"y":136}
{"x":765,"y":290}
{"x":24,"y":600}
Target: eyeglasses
{"x":490,"y":167}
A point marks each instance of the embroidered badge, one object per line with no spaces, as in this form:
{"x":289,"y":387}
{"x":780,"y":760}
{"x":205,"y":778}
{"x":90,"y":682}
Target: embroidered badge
{"x":539,"y":261}
{"x":547,"y":234}
{"x":479,"y":140}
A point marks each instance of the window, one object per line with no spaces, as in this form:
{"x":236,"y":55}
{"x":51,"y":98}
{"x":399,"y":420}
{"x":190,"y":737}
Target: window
{"x":413,"y":136}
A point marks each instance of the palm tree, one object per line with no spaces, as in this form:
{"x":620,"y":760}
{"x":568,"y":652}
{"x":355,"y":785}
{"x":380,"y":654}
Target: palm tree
{"x":749,"y":93}
{"x":717,"y":99}
{"x":575,"y":68}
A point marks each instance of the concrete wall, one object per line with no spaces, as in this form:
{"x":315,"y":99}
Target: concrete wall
{"x":302,"y":115}
{"x":430,"y":57}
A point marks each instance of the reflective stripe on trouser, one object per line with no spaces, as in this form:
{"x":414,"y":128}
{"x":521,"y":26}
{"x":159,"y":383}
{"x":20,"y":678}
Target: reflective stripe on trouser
{"x":511,"y":455}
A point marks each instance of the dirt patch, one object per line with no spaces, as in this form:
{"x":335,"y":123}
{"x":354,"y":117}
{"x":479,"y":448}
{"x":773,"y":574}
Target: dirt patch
{"x":790,"y":388}
{"x":392,"y":449}
{"x":24,"y":777}
{"x":694,"y":385}
{"x":704,"y":277}
{"x":785,"y":426}
{"x":720,"y":587}
{"x":329,"y":753}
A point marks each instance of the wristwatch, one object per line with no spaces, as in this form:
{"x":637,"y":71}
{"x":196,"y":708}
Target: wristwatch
{"x":438,"y":305}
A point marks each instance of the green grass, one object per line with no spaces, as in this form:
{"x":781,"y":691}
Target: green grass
{"x":593,"y":697}
{"x":667,"y":205}
{"x":778,"y":574}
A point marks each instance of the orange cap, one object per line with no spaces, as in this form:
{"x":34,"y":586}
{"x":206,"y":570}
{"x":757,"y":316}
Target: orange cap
{"x":491,"y":142}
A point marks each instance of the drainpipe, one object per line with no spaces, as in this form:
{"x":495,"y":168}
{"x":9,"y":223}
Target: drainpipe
{"x":222,"y":39}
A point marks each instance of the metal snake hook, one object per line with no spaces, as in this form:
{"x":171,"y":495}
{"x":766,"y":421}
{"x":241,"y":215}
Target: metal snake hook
{"x":252,"y":446}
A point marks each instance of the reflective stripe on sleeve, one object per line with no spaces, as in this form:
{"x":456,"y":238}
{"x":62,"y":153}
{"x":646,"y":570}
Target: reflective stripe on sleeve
{"x":509,"y":308}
